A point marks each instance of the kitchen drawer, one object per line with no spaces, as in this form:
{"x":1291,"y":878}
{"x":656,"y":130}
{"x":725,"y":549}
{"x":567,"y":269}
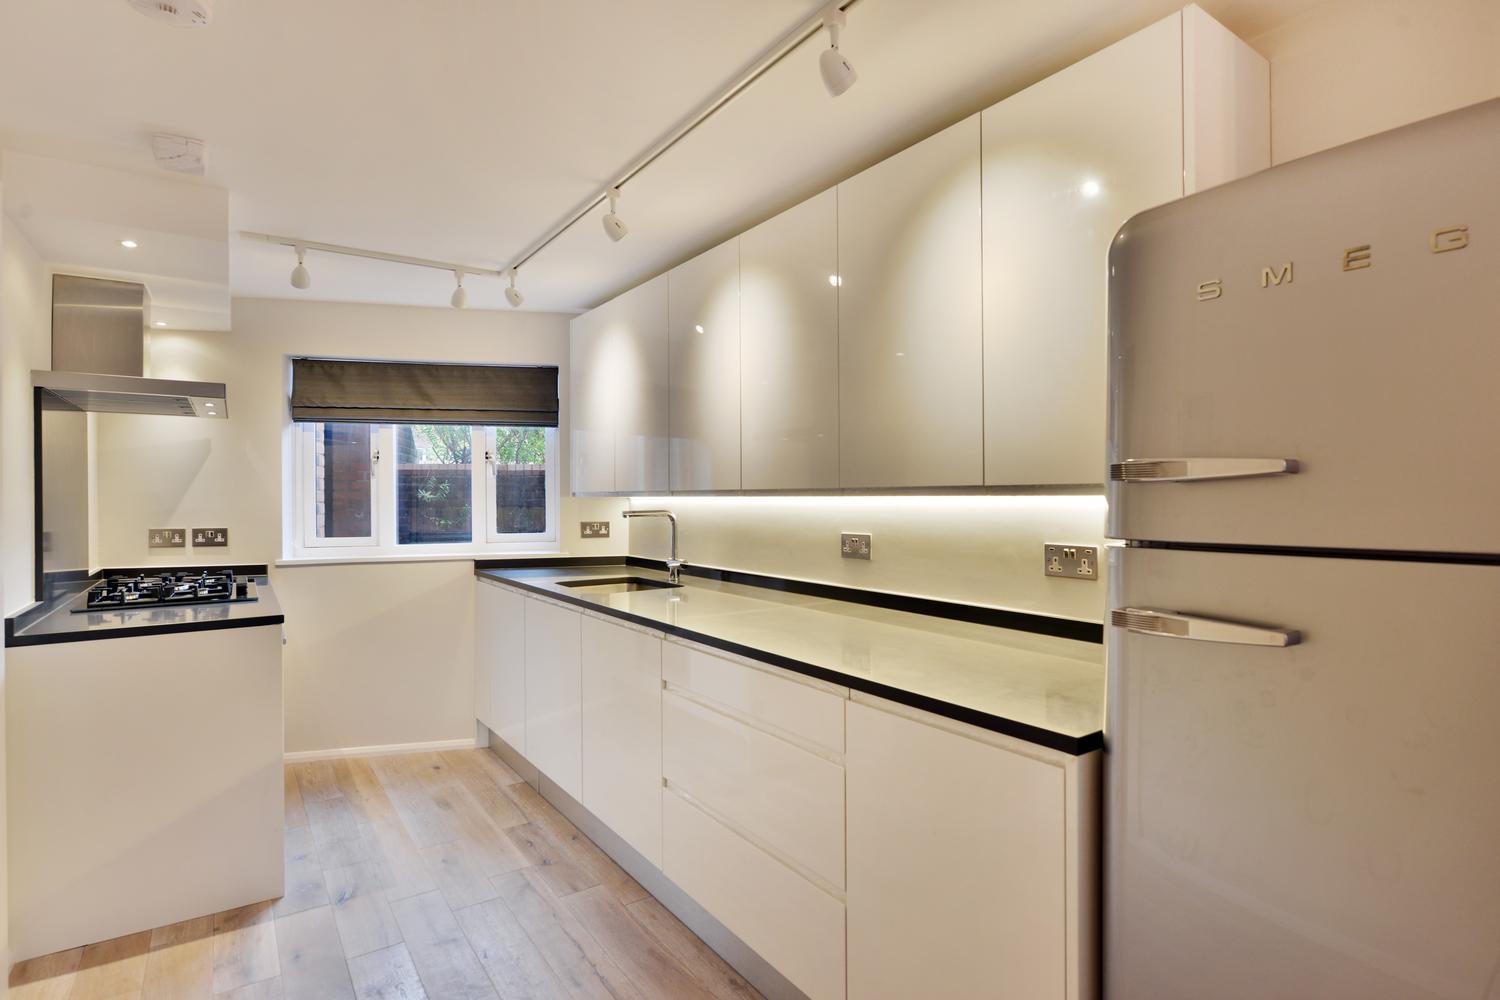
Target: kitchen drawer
{"x":814,"y":714}
{"x":785,"y":797}
{"x":788,"y":921}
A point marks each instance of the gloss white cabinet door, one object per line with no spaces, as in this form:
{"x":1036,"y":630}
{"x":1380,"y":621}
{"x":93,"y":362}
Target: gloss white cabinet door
{"x":622,"y":732}
{"x":967,"y":875}
{"x":553,"y":694}
{"x":618,"y":354}
{"x":789,"y":355}
{"x":1066,"y":162}
{"x":500,"y":662}
{"x":911,"y":411}
{"x":704,"y":370}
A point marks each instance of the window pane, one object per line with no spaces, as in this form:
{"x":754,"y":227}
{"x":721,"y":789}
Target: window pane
{"x":434,"y":494}
{"x":342,"y":481}
{"x":520,"y":480}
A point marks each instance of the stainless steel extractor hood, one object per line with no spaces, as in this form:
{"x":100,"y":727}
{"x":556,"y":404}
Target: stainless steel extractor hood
{"x":98,"y":352}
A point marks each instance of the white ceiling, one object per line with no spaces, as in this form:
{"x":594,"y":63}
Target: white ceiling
{"x":464,"y":129}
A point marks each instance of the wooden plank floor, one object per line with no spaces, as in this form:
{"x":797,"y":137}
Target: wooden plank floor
{"x":436,"y":875}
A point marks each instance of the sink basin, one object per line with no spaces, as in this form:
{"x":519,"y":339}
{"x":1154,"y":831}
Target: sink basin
{"x":617,"y":585}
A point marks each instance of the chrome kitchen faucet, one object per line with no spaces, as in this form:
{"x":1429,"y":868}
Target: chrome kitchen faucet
{"x":674,"y":565}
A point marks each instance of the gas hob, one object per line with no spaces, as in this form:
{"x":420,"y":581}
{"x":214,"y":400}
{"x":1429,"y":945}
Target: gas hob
{"x":168,"y":587}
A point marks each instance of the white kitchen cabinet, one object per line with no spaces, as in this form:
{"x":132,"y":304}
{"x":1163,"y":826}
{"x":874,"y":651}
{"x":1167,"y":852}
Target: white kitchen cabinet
{"x":554,"y":733}
{"x":618,"y":395}
{"x":704,"y":370}
{"x":500,"y":662}
{"x":622,"y":732}
{"x":789,"y":355}
{"x":911,"y":410}
{"x":788,"y":921}
{"x":1176,"y":107}
{"x":971,"y":862}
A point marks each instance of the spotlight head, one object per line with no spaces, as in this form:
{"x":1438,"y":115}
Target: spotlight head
{"x":838,"y":75}
{"x":513,"y":294}
{"x":614,"y":226}
{"x":460,"y":297}
{"x":301,"y":279}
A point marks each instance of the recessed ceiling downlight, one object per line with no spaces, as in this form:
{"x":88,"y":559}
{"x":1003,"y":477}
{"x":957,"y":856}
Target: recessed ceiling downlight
{"x":184,"y":13}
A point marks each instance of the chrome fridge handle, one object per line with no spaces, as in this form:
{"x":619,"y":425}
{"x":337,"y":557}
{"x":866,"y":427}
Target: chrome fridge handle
{"x":1153,"y":621}
{"x":1183,"y":470}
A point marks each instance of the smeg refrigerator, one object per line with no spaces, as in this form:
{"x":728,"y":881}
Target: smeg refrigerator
{"x":1303,"y":725}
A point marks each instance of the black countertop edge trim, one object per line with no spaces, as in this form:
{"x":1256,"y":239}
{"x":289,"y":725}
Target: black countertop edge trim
{"x":1019,"y":621}
{"x":130,"y":631}
{"x":540,"y":562}
{"x":1376,"y":555}
{"x":1074,"y":745}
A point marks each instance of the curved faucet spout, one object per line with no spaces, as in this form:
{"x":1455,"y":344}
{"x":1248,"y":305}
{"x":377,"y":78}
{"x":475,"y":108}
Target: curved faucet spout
{"x":674,"y":564}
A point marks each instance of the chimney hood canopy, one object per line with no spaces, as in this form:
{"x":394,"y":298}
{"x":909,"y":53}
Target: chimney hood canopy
{"x":98,"y":353}
{"x":130,"y":394}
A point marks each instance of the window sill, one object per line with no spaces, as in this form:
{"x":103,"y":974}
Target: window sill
{"x":467,"y":557}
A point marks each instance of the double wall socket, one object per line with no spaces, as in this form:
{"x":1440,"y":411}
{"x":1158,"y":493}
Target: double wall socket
{"x":593,"y":529}
{"x":1074,"y":562}
{"x":166,"y":538}
{"x":854,"y":545}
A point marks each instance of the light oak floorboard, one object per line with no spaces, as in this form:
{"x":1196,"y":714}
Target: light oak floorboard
{"x":571,"y":952}
{"x":361,"y":909}
{"x":302,"y":872}
{"x":49,"y":977}
{"x":447,"y":965}
{"x":181,"y":961}
{"x":293,"y":813}
{"x":387,"y":974}
{"x":316,"y":779}
{"x":244,"y":947}
{"x":266,"y":989}
{"x":313,"y":966}
{"x":701,"y":961}
{"x":113,"y":969}
{"x":646,"y":961}
{"x":515,"y":966}
{"x":337,"y":831}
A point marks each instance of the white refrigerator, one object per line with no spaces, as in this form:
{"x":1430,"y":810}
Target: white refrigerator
{"x":1303,"y":728}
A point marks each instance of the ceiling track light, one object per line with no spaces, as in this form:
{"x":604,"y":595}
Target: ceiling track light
{"x":513,"y":294}
{"x":614,"y":226}
{"x":460,"y":297}
{"x":838,"y":75}
{"x":301,"y":279}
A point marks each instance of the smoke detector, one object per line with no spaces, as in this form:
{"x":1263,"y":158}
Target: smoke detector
{"x":183,"y":13}
{"x":179,"y":153}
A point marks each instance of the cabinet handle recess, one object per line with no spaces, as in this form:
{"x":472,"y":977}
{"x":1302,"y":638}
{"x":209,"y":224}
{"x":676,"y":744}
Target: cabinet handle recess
{"x":1173,"y":625}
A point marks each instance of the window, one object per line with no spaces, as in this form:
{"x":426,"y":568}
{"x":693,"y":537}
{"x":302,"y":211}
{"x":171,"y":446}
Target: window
{"x":390,"y":489}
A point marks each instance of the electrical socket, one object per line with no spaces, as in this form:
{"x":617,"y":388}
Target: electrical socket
{"x":215,"y":538}
{"x":1073,"y":562}
{"x":593,"y":529}
{"x":166,"y":538}
{"x":854,"y":545}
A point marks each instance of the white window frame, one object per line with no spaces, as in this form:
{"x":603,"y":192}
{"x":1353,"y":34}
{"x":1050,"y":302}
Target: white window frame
{"x":484,"y":539}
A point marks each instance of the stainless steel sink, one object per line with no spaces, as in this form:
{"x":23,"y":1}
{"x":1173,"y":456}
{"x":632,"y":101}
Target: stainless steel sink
{"x":617,"y":585}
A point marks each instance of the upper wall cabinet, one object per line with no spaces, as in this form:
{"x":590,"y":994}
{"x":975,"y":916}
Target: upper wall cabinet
{"x":789,"y":349}
{"x":619,"y":393}
{"x":704,"y":370}
{"x":1066,"y":162}
{"x":911,"y":410}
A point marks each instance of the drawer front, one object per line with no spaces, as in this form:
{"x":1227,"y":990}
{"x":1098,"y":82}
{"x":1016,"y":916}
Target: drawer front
{"x":788,"y":921}
{"x":787,"y":799}
{"x":802,"y":710}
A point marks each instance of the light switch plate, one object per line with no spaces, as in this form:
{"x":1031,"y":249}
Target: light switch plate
{"x":1073,"y":562}
{"x":593,"y":529}
{"x":854,"y":545}
{"x":210,"y":538}
{"x":166,"y":538}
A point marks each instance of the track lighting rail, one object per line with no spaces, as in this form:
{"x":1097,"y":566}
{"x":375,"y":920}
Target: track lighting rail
{"x":395,"y":258}
{"x":773,"y":55}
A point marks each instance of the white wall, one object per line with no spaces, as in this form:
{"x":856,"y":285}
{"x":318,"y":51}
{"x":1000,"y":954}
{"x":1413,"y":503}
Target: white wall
{"x":974,"y":549}
{"x":1351,"y":68}
{"x":25,"y":343}
{"x":376,"y":654}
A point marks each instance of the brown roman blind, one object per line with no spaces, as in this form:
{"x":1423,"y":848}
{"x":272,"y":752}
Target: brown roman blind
{"x":392,"y":392}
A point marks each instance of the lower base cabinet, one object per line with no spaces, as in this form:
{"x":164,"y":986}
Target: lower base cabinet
{"x":968,"y":874}
{"x":554,"y":725}
{"x":784,"y":918}
{"x":622,"y":732}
